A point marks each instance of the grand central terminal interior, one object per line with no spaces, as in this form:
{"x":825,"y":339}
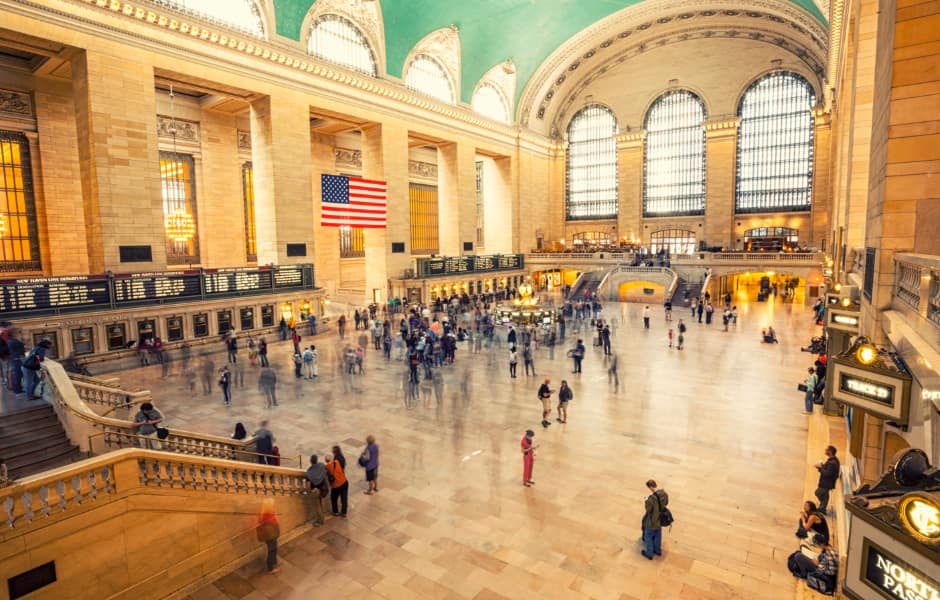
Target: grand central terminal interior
{"x":608,"y":299}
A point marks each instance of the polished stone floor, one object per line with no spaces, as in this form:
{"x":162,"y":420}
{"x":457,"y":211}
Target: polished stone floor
{"x":718,"y":424}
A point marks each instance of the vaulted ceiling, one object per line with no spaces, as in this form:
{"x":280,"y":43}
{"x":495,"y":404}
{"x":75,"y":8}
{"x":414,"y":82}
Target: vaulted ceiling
{"x":491,"y":31}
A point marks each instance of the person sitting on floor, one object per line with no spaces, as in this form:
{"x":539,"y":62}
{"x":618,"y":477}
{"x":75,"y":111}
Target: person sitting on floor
{"x":769,"y":335}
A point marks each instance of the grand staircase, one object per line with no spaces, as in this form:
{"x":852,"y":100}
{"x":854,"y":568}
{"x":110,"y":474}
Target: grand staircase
{"x":34,"y":440}
{"x":589,"y":281}
{"x":685,"y":291}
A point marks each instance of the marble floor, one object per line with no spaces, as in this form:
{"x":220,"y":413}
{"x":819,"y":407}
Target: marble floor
{"x":719,"y":425}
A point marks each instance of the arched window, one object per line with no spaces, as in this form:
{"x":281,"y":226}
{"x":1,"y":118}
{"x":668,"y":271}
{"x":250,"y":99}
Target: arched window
{"x":427,"y":76}
{"x":336,"y":39}
{"x":674,"y":163}
{"x":591,"y":166}
{"x":243,"y":15}
{"x":590,"y":239}
{"x":673,"y":241}
{"x":775,"y":145}
{"x":771,"y":239}
{"x":489,"y":102}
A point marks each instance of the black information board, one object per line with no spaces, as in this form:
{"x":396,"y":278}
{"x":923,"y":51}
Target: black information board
{"x":462,"y":265}
{"x":151,"y":288}
{"x":238,"y":281}
{"x":54,"y":293}
{"x":289,"y":277}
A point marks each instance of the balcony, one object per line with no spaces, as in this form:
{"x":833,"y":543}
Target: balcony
{"x":917,"y":285}
{"x":752,"y":260}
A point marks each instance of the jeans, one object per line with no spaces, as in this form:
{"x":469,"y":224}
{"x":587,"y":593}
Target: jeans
{"x":272,"y":553}
{"x":512,"y":369}
{"x":823,"y":497}
{"x":653,"y":541}
{"x":264,"y":359}
{"x":30,"y":380}
{"x":339,"y":496}
{"x":319,"y":516}
{"x":808,"y":400}
{"x":226,"y":394}
{"x":577,"y":365}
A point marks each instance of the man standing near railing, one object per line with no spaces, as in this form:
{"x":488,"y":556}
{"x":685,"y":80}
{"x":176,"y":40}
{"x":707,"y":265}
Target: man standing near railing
{"x":146,"y":421}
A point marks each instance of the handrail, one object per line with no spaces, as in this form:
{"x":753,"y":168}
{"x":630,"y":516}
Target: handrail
{"x":917,"y":284}
{"x":80,"y":421}
{"x":112,"y":438}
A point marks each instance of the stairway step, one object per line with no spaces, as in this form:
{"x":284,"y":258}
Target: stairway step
{"x":34,"y":444}
{"x":14,"y":428}
{"x":27,"y":416}
{"x":33,"y":458}
{"x":48,"y":462}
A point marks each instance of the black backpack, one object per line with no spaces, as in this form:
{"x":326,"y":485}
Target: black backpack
{"x":665,"y":515}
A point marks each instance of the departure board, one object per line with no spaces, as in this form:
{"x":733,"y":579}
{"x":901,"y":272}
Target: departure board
{"x":156,"y":287}
{"x":461,"y":265}
{"x":53,"y":293}
{"x":238,"y":281}
{"x":289,"y":277}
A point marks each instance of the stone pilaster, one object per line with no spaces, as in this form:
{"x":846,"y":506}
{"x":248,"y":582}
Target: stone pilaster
{"x":720,"y":147}
{"x":456,"y":197}
{"x":385,"y":157}
{"x":116,"y":122}
{"x":61,"y":180}
{"x":497,"y":206}
{"x":630,"y":184}
{"x":280,"y":137}
{"x":219,"y":183}
{"x":822,"y":174}
{"x":323,"y":160}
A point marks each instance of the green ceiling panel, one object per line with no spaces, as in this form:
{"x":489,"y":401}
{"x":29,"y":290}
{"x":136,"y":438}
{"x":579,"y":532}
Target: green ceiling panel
{"x":527,"y":31}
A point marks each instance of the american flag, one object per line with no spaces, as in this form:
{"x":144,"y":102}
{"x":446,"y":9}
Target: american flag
{"x":352,"y":201}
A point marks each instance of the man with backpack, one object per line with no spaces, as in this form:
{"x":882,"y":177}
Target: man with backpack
{"x":654,"y":518}
{"x":319,"y":488}
{"x":31,"y":368}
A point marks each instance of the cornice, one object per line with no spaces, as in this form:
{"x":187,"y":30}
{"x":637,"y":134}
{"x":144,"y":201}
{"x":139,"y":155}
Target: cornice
{"x":198,"y":43}
{"x":630,"y":140}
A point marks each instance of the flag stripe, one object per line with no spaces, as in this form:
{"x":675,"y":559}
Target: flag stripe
{"x":353,"y":201}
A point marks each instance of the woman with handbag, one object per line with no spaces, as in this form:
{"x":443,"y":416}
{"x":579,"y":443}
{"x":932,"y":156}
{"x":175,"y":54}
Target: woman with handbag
{"x":812,"y":521}
{"x":268,"y":530}
{"x":369,"y":460}
{"x":339,"y":486}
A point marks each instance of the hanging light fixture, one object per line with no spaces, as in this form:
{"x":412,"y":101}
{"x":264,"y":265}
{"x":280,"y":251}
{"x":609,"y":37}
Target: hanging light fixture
{"x":3,"y":224}
{"x":179,"y":223}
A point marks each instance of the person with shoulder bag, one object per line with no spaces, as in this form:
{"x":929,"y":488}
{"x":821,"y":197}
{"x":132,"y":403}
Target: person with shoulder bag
{"x":319,"y":486}
{"x":370,"y":461}
{"x":655,"y":518}
{"x":339,"y":486}
{"x":267,"y":531}
{"x":821,"y":573}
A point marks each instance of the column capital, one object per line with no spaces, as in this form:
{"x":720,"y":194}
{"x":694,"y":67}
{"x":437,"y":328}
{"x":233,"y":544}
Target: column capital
{"x":722,"y":128}
{"x":822,"y":116}
{"x":630,"y":140}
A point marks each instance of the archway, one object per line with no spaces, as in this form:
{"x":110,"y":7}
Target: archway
{"x":641,"y":291}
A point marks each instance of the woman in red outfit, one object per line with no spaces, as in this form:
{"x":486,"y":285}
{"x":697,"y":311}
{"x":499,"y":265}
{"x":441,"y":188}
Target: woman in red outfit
{"x":268,"y":530}
{"x":528,"y":457}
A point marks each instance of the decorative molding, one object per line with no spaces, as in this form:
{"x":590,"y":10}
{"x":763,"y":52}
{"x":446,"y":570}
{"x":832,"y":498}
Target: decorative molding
{"x":364,"y":15}
{"x":347,"y":157}
{"x":421,"y":169}
{"x":187,"y":132}
{"x":630,"y":140}
{"x":16,"y":104}
{"x":244,"y":140}
{"x":444,"y":45}
{"x":721,"y":128}
{"x":502,"y":78}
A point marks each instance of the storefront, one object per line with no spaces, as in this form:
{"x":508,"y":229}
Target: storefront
{"x":444,"y":277}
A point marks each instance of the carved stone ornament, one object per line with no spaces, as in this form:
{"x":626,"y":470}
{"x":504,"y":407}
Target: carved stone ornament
{"x":365,"y":15}
{"x":15,"y":103}
{"x":185,"y":131}
{"x":244,"y":140}
{"x":444,"y":45}
{"x":347,"y":157}
{"x":424,"y":170}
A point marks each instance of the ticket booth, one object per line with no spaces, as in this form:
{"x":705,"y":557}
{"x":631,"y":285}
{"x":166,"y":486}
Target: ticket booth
{"x":117,"y":336}
{"x":174,"y":329}
{"x":83,"y":341}
{"x":224,"y":321}
{"x":200,"y":325}
{"x":146,"y":328}
{"x":267,"y":315}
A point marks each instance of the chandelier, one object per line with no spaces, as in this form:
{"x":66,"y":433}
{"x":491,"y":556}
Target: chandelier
{"x":3,"y":225}
{"x":180,"y":226}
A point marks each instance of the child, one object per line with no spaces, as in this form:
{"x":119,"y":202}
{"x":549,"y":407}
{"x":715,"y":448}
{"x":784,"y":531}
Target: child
{"x":669,"y":335}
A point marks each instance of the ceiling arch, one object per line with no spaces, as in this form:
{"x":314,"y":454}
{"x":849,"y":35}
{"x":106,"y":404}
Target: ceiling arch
{"x":492,"y":31}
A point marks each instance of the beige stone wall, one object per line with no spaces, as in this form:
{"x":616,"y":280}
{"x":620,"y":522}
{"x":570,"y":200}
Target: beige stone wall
{"x":219,"y":197}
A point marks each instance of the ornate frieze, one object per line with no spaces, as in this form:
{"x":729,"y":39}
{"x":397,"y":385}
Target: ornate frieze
{"x":347,"y":157}
{"x":16,"y":104}
{"x":244,"y":140}
{"x":422,"y":170}
{"x":181,"y":130}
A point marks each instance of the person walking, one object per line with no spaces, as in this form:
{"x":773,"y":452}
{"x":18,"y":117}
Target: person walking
{"x":31,"y":366}
{"x":225,"y":382}
{"x":564,"y":396}
{"x":681,"y":339}
{"x":528,"y":360}
{"x":268,"y":530}
{"x":308,"y":363}
{"x":828,"y":474}
{"x":267,"y":383}
{"x":341,"y":326}
{"x":810,"y":392}
{"x":528,"y":457}
{"x":298,"y":365}
{"x":371,"y":456}
{"x":232,"y":346}
{"x":414,"y":359}
{"x":646,"y":317}
{"x":146,"y":421}
{"x":319,"y":488}
{"x":694,"y":306}
{"x":699,"y":309}
{"x":513,"y":359}
{"x":207,"y":371}
{"x":605,"y":339}
{"x":545,"y":397}
{"x":652,"y":527}
{"x":578,"y":355}
{"x":709,"y":312}
{"x":264,"y":444}
{"x":667,"y":307}
{"x":339,"y":485}
{"x":669,"y":337}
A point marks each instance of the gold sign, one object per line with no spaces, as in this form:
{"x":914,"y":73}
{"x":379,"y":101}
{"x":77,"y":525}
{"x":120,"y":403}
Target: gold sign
{"x":920,"y":515}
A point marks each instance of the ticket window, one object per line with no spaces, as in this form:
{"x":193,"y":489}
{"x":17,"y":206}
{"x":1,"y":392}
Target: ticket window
{"x":117,"y":336}
{"x":246,"y":318}
{"x":267,"y":315}
{"x":146,"y":329}
{"x":174,"y":329}
{"x":53,"y":337}
{"x":83,"y":341}
{"x":287,"y":311}
{"x":200,"y":325}
{"x":304,"y":310}
{"x":224,"y":321}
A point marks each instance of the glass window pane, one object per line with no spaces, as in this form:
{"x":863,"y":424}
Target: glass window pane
{"x":243,"y":15}
{"x":489,"y":102}
{"x":336,"y":39}
{"x":18,"y":230}
{"x":179,"y":195}
{"x":591,"y":165}
{"x":427,"y":76}
{"x":775,"y":145}
{"x":674,"y":159}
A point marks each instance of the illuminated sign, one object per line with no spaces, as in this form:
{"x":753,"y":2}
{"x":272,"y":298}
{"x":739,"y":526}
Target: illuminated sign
{"x":896,"y":579}
{"x":844,"y":320}
{"x":920,"y":515}
{"x":931,"y":395}
{"x":866,"y":389}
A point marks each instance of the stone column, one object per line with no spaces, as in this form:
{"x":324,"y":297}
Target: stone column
{"x":323,"y":160}
{"x":630,"y":184}
{"x":385,"y":157}
{"x":822,"y":174}
{"x":116,"y":117}
{"x":497,"y":206}
{"x":219,"y":185}
{"x":720,"y":146}
{"x":456,"y":197}
{"x":871,"y":458}
{"x":61,"y":182}
{"x":280,"y":137}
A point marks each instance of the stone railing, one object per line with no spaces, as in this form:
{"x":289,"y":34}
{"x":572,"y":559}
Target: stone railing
{"x":95,"y":434}
{"x":801,"y":258}
{"x":917,"y":284}
{"x":105,"y":395}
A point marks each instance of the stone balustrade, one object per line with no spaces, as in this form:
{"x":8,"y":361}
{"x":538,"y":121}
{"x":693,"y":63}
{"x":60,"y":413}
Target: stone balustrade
{"x":917,"y":284}
{"x":800,"y":258}
{"x":56,"y":491}
{"x":110,"y":396}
